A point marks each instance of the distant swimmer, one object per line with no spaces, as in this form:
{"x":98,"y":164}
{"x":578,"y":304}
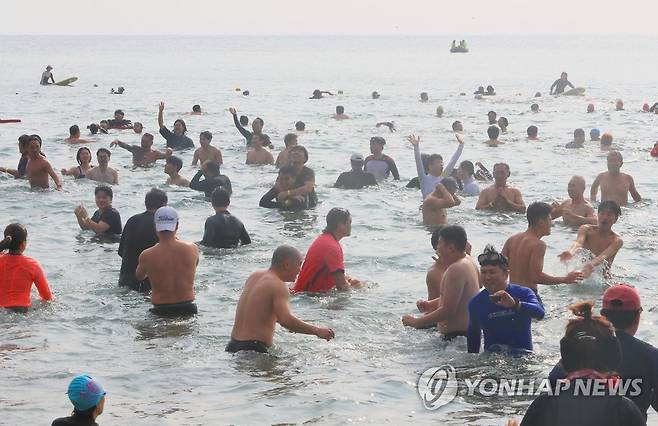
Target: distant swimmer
{"x":119,"y":91}
{"x":170,"y":266}
{"x":103,"y":126}
{"x":424,"y":97}
{"x":379,"y":164}
{"x":323,"y":268}
{"x":493,"y":132}
{"x":206,"y":151}
{"x":457,"y":126}
{"x":356,"y":178}
{"x":466,"y":174}
{"x":83,"y":157}
{"x":256,"y":125}
{"x":138,"y":127}
{"x":439,"y":111}
{"x":525,"y":252}
{"x":653,"y":153}
{"x":560,"y":84}
{"x":590,"y":108}
{"x":38,"y":168}
{"x":304,"y":184}
{"x":375,"y":95}
{"x":138,"y":235}
{"x":283,"y":159}
{"x":435,"y":170}
{"x":340,"y":113}
{"x":317,"y":94}
{"x":578,"y":140}
{"x":102,"y":172}
{"x":196,"y":110}
{"x":212,"y":179}
{"x":177,"y":138}
{"x":264,"y":303}
{"x":534,"y":108}
{"x":47,"y":76}
{"x":599,"y":239}
{"x":606,"y":142}
{"x":119,"y":121}
{"x":595,"y":135}
{"x":106,"y":220}
{"x":503,"y":311}
{"x":575,"y":211}
{"x":500,"y":196}
{"x":94,"y":128}
{"x":88,"y":399}
{"x":18,"y":272}
{"x":388,"y":124}
{"x":532,"y":132}
{"x":257,"y":154}
{"x":503,"y":124}
{"x":619,"y":105}
{"x":21,"y":169}
{"x":438,"y":201}
{"x":143,"y":154}
{"x":491,"y":116}
{"x":300,"y":127}
{"x":74,"y":135}
{"x":490,"y":91}
{"x":172,"y":168}
{"x":479,"y":91}
{"x":223,"y":230}
{"x":285,"y":182}
{"x":459,"y":283}
{"x":614,"y":185}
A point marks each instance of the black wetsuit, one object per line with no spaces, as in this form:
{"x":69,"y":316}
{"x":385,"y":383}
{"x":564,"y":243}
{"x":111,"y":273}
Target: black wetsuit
{"x":138,"y":235}
{"x":302,"y":177}
{"x":74,"y":420}
{"x":118,"y":124}
{"x":224,"y":231}
{"x":246,"y":345}
{"x":269,"y":201}
{"x":209,"y":185}
{"x":176,"y":141}
{"x":355,"y":179}
{"x":247,"y":134}
{"x":22,"y":166}
{"x":111,"y":217}
{"x":181,"y":309}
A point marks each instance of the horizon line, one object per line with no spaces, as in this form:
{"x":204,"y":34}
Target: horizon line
{"x":606,"y":34}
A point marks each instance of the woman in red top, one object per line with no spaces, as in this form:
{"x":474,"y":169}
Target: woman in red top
{"x":18,"y":272}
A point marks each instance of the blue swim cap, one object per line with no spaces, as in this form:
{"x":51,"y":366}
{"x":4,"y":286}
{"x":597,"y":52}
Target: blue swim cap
{"x":595,"y":132}
{"x":85,"y":393}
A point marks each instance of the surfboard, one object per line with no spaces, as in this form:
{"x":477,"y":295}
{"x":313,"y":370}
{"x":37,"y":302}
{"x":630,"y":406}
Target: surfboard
{"x":10,"y":120}
{"x":66,"y":82}
{"x":578,"y":91}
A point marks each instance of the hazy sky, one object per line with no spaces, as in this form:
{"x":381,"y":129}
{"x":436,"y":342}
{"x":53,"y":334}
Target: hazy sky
{"x":363,"y":17}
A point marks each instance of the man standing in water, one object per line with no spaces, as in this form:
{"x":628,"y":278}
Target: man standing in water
{"x":526,"y":251}
{"x":598,"y":239}
{"x":103,"y":173}
{"x":499,"y":196}
{"x":170,"y":266}
{"x":38,"y":168}
{"x":264,"y":302}
{"x":576,"y":210}
{"x":143,"y":155}
{"x":560,"y":84}
{"x":615,"y":185}
{"x":177,"y":138}
{"x":380,"y":164}
{"x":459,"y":284}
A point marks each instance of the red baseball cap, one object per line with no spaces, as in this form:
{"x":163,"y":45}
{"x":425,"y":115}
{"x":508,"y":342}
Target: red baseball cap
{"x":621,"y":297}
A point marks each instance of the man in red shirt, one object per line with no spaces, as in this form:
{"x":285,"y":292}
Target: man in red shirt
{"x":323,"y":267}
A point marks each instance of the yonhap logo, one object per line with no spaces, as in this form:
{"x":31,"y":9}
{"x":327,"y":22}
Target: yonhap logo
{"x":437,"y":386}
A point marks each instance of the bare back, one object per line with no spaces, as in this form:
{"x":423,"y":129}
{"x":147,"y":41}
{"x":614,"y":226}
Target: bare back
{"x":170,"y":267}
{"x":519,"y":250}
{"x":459,"y":284}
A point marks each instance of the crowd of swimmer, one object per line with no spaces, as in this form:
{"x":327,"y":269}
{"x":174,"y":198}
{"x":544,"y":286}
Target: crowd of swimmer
{"x":495,"y":295}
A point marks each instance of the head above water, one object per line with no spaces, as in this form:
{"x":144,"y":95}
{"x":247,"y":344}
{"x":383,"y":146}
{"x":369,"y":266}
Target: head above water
{"x":119,"y":114}
{"x":210,"y":169}
{"x":439,"y":111}
{"x":494,"y":268}
{"x":340,"y":110}
{"x":154,"y":199}
{"x":594,"y":134}
{"x":83,"y":152}
{"x":534,"y":107}
{"x":609,"y":206}
{"x":576,"y":187}
{"x":579,"y":135}
{"x":457,"y":126}
{"x":491,"y":116}
{"x":244,"y":120}
{"x":532,"y":131}
{"x":220,"y":198}
{"x":287,"y":260}
{"x":74,"y":130}
{"x":93,"y":128}
{"x":493,"y":132}
{"x":424,"y":97}
{"x":452,"y":242}
{"x":196,"y":108}
{"x":503,"y":123}
{"x":466,"y":170}
{"x":180,"y":127}
{"x":205,"y":138}
{"x":339,"y":222}
{"x":137,"y":127}
{"x":590,"y":108}
{"x":290,"y":140}
{"x":450,"y":184}
{"x":15,"y":238}
{"x":103,"y":156}
{"x":606,"y":139}
{"x":175,"y":162}
{"x":147,"y":141}
{"x":299,"y":153}
{"x":539,"y":217}
{"x":615,"y":160}
{"x":622,"y":307}
{"x":300,"y":126}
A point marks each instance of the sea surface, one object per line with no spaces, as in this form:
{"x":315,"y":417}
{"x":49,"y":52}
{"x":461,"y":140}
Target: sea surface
{"x":175,"y":372}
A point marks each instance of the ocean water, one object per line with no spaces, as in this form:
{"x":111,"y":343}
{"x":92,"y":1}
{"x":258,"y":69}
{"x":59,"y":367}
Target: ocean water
{"x":161,"y":372}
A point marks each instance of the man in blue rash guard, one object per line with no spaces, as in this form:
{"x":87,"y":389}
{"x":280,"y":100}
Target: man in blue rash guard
{"x":502,"y":311}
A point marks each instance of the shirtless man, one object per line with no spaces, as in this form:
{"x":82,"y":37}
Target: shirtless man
{"x":172,"y":168}
{"x":458,"y":285}
{"x":170,"y":266}
{"x":599,"y":239}
{"x":615,"y":185}
{"x":74,"y":135}
{"x":258,"y":154}
{"x":434,"y":205}
{"x":143,"y":155}
{"x":340,"y":113}
{"x":575,"y":211}
{"x":499,"y":196}
{"x":207,"y":151}
{"x":283,"y":159}
{"x":264,"y":302}
{"x":493,"y":132}
{"x":560,"y":84}
{"x":38,"y":168}
{"x":103,"y":173}
{"x":526,"y":251}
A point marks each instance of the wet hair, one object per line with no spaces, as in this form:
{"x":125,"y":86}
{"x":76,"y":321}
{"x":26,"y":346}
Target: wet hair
{"x":491,"y":257}
{"x":137,"y":123}
{"x":289,"y":139}
{"x":213,"y":168}
{"x":490,"y":88}
{"x":434,"y":239}
{"x":340,"y":109}
{"x":432,"y":158}
{"x":491,"y":112}
{"x":610,"y":206}
{"x":300,"y":125}
{"x":283,"y":253}
{"x":287,"y":170}
{"x":206,"y":135}
{"x":155,"y":199}
{"x":244,"y":120}
{"x":182,"y":122}
{"x":454,"y":235}
{"x":302,"y":149}
{"x":378,"y":140}
{"x":93,"y":128}
{"x":457,"y":125}
{"x":606,"y":139}
{"x":262,"y":123}
{"x":578,"y":133}
{"x":502,"y":164}
{"x":538,"y":95}
{"x":74,"y":130}
{"x":534,"y":107}
{"x":537,"y":211}
{"x":105,"y":150}
{"x":532,"y":131}
{"x":34,"y":138}
{"x":147,"y":136}
{"x":424,"y":95}
{"x":468,"y":167}
{"x":220,"y":197}
{"x":493,"y":132}
{"x":175,"y":161}
{"x":503,"y":120}
{"x":335,"y":217}
{"x":15,"y":235}
{"x":77,"y":155}
{"x":589,"y":341}
{"x":106,"y":189}
{"x":119,"y":112}
{"x":23,"y":140}
{"x":196,"y":108}
{"x":450,"y":184}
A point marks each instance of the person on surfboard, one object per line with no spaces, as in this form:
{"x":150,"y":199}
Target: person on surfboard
{"x":47,"y":75}
{"x":560,"y":84}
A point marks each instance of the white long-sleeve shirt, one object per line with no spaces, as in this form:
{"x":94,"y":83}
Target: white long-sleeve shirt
{"x":429,"y":182}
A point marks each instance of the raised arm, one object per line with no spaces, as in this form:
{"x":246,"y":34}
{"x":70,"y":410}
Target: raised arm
{"x":420,"y":170}
{"x":160,"y":115}
{"x":458,"y":152}
{"x":244,"y":132}
{"x":444,"y":198}
{"x":123,"y":145}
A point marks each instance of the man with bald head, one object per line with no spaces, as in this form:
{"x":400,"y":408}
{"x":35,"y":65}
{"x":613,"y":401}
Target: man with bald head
{"x":615,"y":185}
{"x":264,"y":302}
{"x":575,"y":211}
